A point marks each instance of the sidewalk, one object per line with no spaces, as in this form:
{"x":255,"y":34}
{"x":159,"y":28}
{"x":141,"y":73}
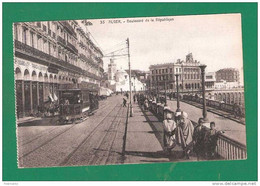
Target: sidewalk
{"x":144,"y":142}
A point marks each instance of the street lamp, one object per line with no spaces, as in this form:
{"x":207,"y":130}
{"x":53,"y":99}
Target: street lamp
{"x":157,"y":91}
{"x":202,"y":68}
{"x":165,"y":93}
{"x":178,"y":101}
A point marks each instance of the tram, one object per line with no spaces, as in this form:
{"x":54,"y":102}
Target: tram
{"x":76,"y":104}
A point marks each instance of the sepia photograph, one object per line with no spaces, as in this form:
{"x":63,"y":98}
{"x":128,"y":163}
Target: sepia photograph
{"x":129,"y":90}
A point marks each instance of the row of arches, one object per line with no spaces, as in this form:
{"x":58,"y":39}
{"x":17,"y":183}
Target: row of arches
{"x":228,"y":97}
{"x":41,"y":77}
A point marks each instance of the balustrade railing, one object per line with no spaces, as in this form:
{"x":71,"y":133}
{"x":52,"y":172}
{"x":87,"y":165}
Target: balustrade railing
{"x":215,"y":104}
{"x":227,"y":148}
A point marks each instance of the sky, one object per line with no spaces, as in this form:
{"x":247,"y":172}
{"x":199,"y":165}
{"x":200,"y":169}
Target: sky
{"x":214,"y":40}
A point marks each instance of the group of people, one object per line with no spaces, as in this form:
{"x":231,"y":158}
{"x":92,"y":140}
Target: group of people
{"x":179,"y":130}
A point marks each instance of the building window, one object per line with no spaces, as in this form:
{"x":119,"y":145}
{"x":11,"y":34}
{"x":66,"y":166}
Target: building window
{"x":170,"y":69}
{"x":24,"y":35}
{"x":32,"y":40}
{"x":166,"y":70}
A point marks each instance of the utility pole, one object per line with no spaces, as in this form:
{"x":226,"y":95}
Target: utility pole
{"x":130,"y":78}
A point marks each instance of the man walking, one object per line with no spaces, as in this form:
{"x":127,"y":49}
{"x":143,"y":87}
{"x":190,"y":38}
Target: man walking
{"x":124,"y":102}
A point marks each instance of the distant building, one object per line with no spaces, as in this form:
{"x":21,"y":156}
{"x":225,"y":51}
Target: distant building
{"x":122,"y":81}
{"x":226,"y":85}
{"x":163,"y":75}
{"x":210,"y":80}
{"x":228,"y":74}
{"x":111,"y":70}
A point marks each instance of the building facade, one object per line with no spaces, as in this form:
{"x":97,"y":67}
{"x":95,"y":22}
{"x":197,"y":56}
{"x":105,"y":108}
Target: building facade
{"x":51,"y":54}
{"x":162,"y":76}
{"x":228,"y":74}
{"x":210,"y":80}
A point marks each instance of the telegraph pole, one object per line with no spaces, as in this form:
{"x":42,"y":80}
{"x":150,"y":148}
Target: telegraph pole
{"x":130,"y":79}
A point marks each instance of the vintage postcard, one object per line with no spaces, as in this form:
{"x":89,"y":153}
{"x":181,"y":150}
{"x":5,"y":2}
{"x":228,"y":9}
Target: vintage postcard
{"x":129,"y":90}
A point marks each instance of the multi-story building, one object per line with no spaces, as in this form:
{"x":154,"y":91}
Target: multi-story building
{"x":111,"y":70}
{"x":48,"y":55}
{"x":210,"y":80}
{"x":228,"y":74}
{"x":163,"y":75}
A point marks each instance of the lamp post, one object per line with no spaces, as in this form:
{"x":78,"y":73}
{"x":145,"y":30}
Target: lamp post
{"x":157,"y":91}
{"x":165,"y":93}
{"x":178,"y":101}
{"x":202,"y":68}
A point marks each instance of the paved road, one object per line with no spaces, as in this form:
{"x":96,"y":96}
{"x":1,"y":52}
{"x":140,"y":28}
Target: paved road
{"x":232,"y":129}
{"x":96,"y":141}
{"x":100,"y":139}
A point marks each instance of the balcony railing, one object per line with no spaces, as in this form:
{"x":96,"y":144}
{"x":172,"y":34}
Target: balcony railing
{"x":89,"y":60}
{"x":41,"y":56}
{"x":72,"y":48}
{"x":68,"y":27}
{"x":61,"y":40}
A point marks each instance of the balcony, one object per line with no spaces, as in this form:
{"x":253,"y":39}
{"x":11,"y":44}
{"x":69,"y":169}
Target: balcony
{"x":68,"y":27}
{"x":61,"y":40}
{"x":89,"y":60}
{"x":30,"y":53}
{"x":72,"y":48}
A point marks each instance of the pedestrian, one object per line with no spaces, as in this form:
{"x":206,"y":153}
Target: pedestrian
{"x":169,"y":127}
{"x":124,"y":102}
{"x":146,"y":106}
{"x":184,"y":133}
{"x":211,"y":138}
{"x":134,"y":98}
{"x":199,"y":140}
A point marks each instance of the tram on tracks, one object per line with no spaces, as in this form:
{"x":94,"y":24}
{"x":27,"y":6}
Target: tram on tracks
{"x":77,"y":103}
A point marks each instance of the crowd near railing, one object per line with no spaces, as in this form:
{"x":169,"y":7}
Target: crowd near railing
{"x":230,"y":108}
{"x":227,"y":148}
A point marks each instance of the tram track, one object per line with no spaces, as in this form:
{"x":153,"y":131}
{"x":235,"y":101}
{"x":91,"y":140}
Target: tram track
{"x":102,"y":144}
{"x":43,"y":134}
{"x":50,"y":130}
{"x":70,"y":155}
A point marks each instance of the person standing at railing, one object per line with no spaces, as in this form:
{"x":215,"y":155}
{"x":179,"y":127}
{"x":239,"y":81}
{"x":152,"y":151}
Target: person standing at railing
{"x":169,"y":127}
{"x":199,"y":140}
{"x":184,"y":133}
{"x":211,"y":138}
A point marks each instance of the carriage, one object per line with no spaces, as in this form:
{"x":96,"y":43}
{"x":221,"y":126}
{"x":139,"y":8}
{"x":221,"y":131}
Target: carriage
{"x":76,"y":104}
